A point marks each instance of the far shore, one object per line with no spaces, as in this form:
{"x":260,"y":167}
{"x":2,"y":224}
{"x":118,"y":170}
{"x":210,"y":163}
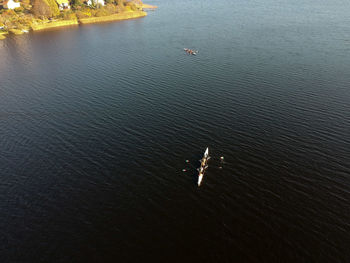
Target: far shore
{"x":147,"y":6}
{"x":89,"y":20}
{"x":39,"y":25}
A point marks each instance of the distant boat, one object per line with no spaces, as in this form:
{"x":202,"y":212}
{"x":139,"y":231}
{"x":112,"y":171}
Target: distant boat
{"x":204,"y":166}
{"x":190,"y":51}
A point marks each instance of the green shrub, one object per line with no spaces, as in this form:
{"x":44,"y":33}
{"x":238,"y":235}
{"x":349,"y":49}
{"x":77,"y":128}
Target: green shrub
{"x":19,"y":9}
{"x":26,"y":4}
{"x":120,"y":3}
{"x":132,"y":6}
{"x":101,"y":12}
{"x":111,"y":8}
{"x":77,"y":4}
{"x":119,"y":9}
{"x":68,"y":15}
{"x":81,"y":14}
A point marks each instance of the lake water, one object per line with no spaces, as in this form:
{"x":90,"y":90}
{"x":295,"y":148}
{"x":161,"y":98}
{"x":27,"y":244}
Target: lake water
{"x":96,"y":123}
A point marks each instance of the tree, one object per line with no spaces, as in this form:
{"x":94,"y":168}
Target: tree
{"x":45,"y":8}
{"x":76,"y":3}
{"x":120,"y":3}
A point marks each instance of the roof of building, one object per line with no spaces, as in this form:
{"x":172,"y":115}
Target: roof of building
{"x":62,"y":2}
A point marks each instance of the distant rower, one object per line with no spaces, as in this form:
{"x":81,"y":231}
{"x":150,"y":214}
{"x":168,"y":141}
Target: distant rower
{"x":190,"y":51}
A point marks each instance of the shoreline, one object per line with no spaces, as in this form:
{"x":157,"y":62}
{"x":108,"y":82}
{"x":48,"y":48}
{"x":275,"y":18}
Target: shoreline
{"x":56,"y":24}
{"x":89,"y":20}
{"x":115,"y":17}
{"x":147,"y":6}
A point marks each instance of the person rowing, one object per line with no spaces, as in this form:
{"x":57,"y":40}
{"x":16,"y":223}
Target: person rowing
{"x":190,"y":51}
{"x":203,"y":166}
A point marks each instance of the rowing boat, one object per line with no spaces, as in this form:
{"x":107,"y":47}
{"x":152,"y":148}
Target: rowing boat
{"x":190,"y":51}
{"x":203,"y":166}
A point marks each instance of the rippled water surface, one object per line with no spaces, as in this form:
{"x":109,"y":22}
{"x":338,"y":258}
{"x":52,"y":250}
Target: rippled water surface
{"x":96,"y":123}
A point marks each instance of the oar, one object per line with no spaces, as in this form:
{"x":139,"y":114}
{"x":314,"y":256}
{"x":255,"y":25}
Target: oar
{"x":188,"y":162}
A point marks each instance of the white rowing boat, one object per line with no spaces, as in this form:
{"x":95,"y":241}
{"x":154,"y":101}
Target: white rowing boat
{"x":203,"y":166}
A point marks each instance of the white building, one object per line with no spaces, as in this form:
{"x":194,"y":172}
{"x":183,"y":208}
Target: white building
{"x":96,"y":2}
{"x":10,"y":4}
{"x":63,"y":4}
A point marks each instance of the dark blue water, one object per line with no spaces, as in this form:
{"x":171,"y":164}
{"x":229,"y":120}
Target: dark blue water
{"x":96,"y":123}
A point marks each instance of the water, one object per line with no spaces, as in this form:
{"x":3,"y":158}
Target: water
{"x":96,"y":123}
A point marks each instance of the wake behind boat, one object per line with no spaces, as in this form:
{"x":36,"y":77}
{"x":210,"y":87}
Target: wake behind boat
{"x":204,"y":166}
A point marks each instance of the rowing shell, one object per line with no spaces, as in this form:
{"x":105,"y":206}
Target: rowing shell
{"x":203,"y":166}
{"x":193,"y":52}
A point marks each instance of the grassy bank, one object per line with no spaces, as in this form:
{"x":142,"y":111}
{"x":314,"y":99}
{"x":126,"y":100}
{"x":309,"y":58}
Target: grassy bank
{"x":114,"y":17}
{"x":39,"y":15}
{"x":147,"y":6}
{"x":16,"y":31}
{"x":54,"y":24}
{"x":88,"y":20}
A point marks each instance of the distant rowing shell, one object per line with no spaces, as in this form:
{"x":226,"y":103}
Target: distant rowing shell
{"x":193,"y":53}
